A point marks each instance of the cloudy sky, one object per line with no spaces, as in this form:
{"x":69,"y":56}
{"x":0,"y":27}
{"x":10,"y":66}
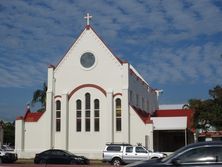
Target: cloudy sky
{"x":176,"y":45}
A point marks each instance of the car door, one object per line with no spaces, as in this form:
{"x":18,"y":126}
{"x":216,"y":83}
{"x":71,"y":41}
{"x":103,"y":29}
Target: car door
{"x":141,"y":153}
{"x":49,"y":156}
{"x":209,"y":156}
{"x":128,"y":154}
{"x":54,"y":159}
{"x":61,"y":157}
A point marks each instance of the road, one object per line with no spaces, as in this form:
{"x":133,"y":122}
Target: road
{"x":51,"y":165}
{"x":29,"y":163}
{"x":36,"y":165}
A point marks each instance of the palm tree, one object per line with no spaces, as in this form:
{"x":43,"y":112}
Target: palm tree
{"x":40,"y":96}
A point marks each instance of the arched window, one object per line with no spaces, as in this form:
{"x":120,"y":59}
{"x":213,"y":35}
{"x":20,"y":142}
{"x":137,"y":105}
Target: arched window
{"x":96,"y":115}
{"x":78,"y":115}
{"x":118,"y":115}
{"x":87,"y":112}
{"x":58,"y":116}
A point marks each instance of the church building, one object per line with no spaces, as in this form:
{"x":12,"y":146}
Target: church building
{"x":93,"y":98}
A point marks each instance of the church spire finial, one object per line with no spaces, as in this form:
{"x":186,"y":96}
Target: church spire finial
{"x":87,"y":17}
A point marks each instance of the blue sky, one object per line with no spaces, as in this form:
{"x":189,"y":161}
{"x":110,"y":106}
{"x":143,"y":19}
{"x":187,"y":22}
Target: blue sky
{"x":176,"y":45}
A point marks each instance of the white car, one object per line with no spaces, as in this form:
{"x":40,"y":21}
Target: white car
{"x":118,"y":154}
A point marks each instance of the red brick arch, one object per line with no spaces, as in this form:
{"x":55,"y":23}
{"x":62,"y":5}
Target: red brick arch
{"x":86,"y":86}
{"x":117,"y":94}
{"x":58,"y":96}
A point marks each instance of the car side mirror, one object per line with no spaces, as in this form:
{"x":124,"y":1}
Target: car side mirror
{"x":176,"y":161}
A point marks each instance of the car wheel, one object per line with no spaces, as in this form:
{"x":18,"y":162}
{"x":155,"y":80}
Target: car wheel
{"x":42,"y":161}
{"x":116,"y":162}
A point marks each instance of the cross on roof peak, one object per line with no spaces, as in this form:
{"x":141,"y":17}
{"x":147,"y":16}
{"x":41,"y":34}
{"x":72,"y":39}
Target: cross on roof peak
{"x":87,"y":17}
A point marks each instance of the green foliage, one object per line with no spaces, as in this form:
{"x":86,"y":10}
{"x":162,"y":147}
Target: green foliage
{"x":208,"y":113}
{"x":40,"y":96}
{"x":9,"y":133}
{"x":216,"y":94}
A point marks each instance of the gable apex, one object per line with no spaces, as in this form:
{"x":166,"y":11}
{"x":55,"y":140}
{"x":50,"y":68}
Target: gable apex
{"x":73,"y":45}
{"x":70,"y":48}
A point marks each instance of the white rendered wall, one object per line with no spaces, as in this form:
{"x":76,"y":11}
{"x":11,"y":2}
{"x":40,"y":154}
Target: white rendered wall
{"x":34,"y":138}
{"x":89,"y":143}
{"x":139,"y":130}
{"x":107,"y":66}
{"x":19,"y":135}
{"x":108,"y":74}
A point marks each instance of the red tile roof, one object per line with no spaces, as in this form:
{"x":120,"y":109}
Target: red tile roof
{"x":31,"y":116}
{"x":144,"y":116}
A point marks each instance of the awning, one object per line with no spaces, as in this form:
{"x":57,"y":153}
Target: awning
{"x":169,"y":123}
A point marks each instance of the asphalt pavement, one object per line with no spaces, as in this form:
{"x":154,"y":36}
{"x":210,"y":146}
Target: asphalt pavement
{"x":29,"y":163}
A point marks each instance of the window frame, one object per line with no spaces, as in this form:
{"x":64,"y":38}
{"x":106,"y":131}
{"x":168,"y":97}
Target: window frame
{"x":87,"y":112}
{"x":118,"y":114}
{"x":78,"y":115}
{"x":58,"y":116}
{"x":96,"y":115}
{"x":140,"y":149}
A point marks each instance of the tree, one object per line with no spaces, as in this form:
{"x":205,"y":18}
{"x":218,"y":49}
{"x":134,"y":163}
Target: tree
{"x":216,"y":94}
{"x":9,"y":133}
{"x":40,"y":96}
{"x":207,"y":113}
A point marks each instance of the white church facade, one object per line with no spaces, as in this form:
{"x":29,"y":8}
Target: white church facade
{"x":93,"y":98}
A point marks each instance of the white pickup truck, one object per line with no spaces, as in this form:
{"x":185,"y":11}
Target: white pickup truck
{"x":118,"y":154}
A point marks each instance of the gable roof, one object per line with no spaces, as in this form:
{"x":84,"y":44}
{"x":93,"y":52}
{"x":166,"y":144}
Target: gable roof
{"x":31,"y":116}
{"x":135,"y":73}
{"x":132,"y":70}
{"x":87,"y":27}
{"x":144,"y":116}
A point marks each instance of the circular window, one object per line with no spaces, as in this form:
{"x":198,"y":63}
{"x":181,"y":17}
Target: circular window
{"x":87,"y":60}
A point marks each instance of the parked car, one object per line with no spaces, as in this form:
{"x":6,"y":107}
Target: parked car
{"x":57,"y":156}
{"x":7,"y":148}
{"x":7,"y":156}
{"x":118,"y":154}
{"x":206,"y":154}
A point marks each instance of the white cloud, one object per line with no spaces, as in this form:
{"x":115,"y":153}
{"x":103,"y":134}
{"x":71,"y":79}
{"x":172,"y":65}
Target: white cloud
{"x":165,"y":33}
{"x":190,"y":64}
